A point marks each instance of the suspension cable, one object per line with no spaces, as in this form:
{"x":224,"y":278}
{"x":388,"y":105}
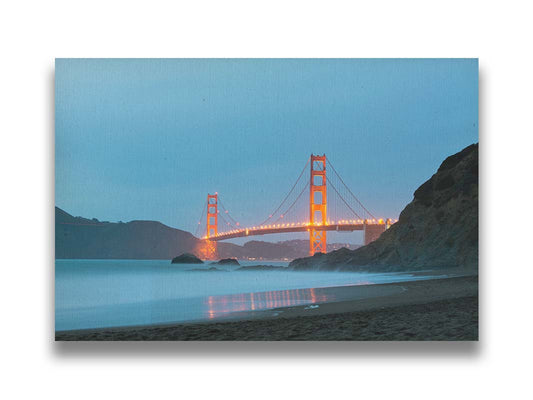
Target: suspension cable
{"x":346,"y":186}
{"x":226,"y":222}
{"x":293,"y":203}
{"x":227,"y":212}
{"x":200,"y":220}
{"x":287,"y":196}
{"x":347,"y":205}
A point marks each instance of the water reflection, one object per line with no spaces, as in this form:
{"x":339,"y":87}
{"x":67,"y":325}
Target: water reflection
{"x":218,"y":306}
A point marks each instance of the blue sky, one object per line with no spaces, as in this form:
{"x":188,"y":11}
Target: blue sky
{"x":149,"y":138}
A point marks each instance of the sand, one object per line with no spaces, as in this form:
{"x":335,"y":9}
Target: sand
{"x":436,"y":309}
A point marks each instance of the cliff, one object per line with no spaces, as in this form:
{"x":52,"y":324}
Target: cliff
{"x":438,"y":229}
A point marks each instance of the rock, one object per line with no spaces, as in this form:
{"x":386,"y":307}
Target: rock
{"x":186,"y":258}
{"x":211,"y":269}
{"x":226,"y":261}
{"x":262,"y":268}
{"x":438,"y":229}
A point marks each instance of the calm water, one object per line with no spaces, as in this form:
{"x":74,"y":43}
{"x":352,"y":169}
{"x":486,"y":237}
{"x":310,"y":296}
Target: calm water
{"x":102,"y":293}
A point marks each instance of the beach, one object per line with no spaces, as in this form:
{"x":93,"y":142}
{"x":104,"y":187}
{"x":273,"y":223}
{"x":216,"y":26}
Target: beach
{"x":435,"y":309}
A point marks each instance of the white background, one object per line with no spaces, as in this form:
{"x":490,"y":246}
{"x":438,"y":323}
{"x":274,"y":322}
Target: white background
{"x":32,"y":34}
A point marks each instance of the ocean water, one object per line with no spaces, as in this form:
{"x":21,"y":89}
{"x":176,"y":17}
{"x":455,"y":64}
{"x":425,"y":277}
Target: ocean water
{"x":105,"y":293}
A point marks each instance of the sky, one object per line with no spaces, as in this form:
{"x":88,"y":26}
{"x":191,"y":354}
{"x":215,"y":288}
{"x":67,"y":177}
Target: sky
{"x":147,"y":139}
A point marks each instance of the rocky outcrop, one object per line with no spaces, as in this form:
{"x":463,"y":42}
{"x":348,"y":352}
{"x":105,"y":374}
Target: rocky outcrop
{"x":226,"y":261}
{"x":186,"y":258}
{"x":212,"y":269}
{"x":262,"y":268}
{"x":438,"y":229}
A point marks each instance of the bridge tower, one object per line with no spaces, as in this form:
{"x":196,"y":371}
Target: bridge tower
{"x":317,"y":204}
{"x":212,"y":225}
{"x":212,"y":215}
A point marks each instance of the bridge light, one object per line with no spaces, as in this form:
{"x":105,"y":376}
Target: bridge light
{"x":281,"y":215}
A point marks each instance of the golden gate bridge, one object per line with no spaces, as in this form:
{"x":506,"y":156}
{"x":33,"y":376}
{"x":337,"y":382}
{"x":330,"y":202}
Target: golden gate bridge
{"x":317,"y":213}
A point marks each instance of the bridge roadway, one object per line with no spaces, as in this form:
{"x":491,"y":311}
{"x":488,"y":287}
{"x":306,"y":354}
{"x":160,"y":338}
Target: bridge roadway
{"x":376,"y":227}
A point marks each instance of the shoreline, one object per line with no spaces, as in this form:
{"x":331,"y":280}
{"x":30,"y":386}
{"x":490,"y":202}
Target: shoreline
{"x":397,"y":303}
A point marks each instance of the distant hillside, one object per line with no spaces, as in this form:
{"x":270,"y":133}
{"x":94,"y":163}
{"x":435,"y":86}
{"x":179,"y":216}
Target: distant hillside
{"x":300,"y":247}
{"x":438,"y":229}
{"x":84,"y":238}
{"x":78,"y":237}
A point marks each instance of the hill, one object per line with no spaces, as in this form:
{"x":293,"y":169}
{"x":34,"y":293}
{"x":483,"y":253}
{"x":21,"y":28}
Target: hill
{"x":78,"y":237}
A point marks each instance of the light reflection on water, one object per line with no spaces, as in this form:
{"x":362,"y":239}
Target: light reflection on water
{"x":218,"y":306}
{"x":103,"y":293}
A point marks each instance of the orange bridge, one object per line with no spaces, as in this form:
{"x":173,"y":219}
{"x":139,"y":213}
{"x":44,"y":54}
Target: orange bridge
{"x":317,"y":214}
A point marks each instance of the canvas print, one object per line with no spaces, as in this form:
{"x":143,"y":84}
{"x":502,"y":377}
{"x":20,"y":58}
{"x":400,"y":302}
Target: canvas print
{"x":266,"y":199}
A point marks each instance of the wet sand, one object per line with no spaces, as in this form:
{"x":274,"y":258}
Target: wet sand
{"x":436,"y":309}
